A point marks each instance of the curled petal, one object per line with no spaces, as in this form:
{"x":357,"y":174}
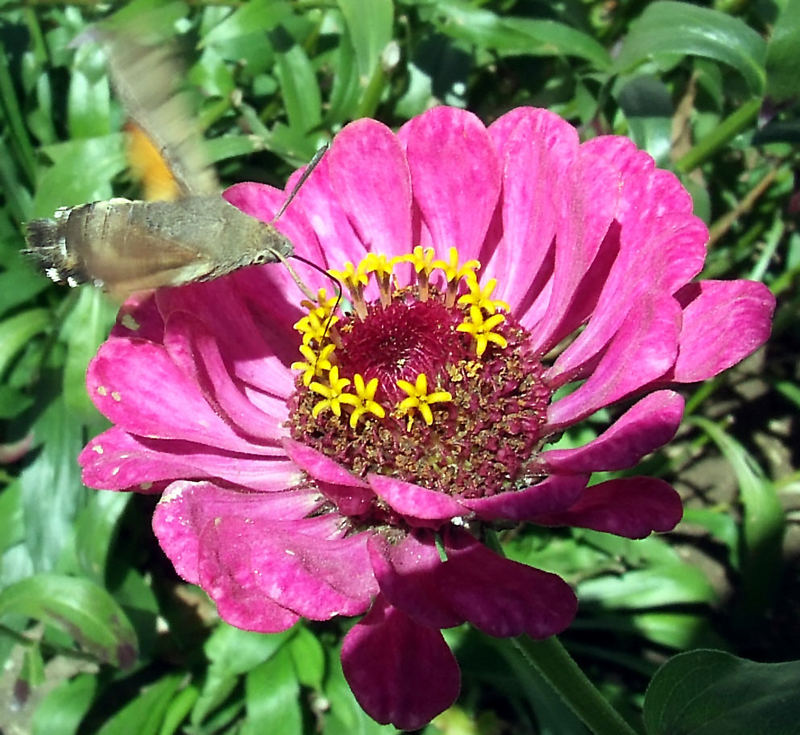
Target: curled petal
{"x":401,"y":672}
{"x":414,"y":502}
{"x":649,"y":424}
{"x":723,"y":322}
{"x":633,"y":507}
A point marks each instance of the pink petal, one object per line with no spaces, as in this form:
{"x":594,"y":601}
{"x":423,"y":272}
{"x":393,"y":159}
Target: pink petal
{"x":554,"y":493}
{"x":407,"y":574}
{"x":632,"y":507}
{"x":649,"y":424}
{"x":502,"y":597}
{"x":455,"y":177}
{"x":536,"y":148}
{"x":642,"y":350}
{"x":257,"y":547}
{"x":415,"y":503}
{"x":723,"y":322}
{"x":583,"y":216}
{"x":191,"y":345}
{"x":116,"y":460}
{"x":137,"y":386}
{"x":186,"y":508}
{"x":140,"y":318}
{"x":257,"y":350}
{"x":369,"y":174}
{"x":400,"y":672}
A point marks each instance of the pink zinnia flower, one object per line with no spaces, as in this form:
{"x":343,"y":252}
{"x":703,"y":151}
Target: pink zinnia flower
{"x":422,"y":412}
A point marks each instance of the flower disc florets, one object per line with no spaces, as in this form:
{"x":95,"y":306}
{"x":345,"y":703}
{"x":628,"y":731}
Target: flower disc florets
{"x":456,"y":398}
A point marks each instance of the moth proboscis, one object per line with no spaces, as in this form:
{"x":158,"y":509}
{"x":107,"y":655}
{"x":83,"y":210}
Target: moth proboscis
{"x":124,"y":246}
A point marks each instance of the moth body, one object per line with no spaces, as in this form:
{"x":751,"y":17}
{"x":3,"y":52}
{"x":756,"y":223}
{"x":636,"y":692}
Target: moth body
{"x":125,"y":246}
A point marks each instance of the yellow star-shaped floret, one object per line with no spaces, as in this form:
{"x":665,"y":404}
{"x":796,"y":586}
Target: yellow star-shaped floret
{"x":333,"y":395}
{"x":380,"y":264}
{"x":352,"y":277}
{"x":315,"y":364}
{"x":481,"y":329}
{"x":364,"y":400}
{"x":453,"y":271}
{"x":313,"y":327}
{"x":482,"y":297}
{"x":419,"y":399}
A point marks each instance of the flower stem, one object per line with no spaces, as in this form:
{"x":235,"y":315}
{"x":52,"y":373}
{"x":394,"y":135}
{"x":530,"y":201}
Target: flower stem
{"x":551,"y":660}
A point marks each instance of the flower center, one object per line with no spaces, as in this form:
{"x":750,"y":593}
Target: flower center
{"x":432,"y":383}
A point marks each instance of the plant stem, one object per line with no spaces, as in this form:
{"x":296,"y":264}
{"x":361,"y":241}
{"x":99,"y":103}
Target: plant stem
{"x":552,"y":661}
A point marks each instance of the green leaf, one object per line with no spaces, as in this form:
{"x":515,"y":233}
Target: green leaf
{"x":256,"y":16}
{"x":12,"y":526}
{"x":62,"y":710}
{"x":17,"y":331}
{"x":85,"y":327}
{"x":783,"y":81}
{"x":669,"y":28}
{"x":658,"y":585}
{"x":179,"y":709}
{"x":714,"y":693}
{"x":272,"y":694}
{"x":308,"y":656}
{"x":79,"y":607}
{"x":299,"y":90}
{"x":89,"y":96}
{"x":145,"y":713}
{"x":95,"y":529}
{"x":19,"y":285}
{"x":369,"y":23}
{"x":763,"y":522}
{"x":511,"y":35}
{"x":647,"y":105}
{"x":52,"y":492}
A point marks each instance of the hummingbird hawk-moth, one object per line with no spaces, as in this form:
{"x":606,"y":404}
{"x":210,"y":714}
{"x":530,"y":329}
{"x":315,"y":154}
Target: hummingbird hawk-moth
{"x":124,"y":246}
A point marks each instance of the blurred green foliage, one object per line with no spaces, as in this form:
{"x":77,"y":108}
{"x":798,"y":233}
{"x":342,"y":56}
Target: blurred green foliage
{"x":98,"y":634}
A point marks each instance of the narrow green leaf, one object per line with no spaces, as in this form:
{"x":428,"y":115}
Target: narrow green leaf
{"x":308,"y":656}
{"x":80,"y":608}
{"x":369,"y":24}
{"x":669,"y":28}
{"x":715,"y":693}
{"x":145,"y":713}
{"x":658,"y":585}
{"x":763,"y":522}
{"x":647,"y":105}
{"x":19,"y":285}
{"x":299,"y":89}
{"x":95,"y":529}
{"x":516,"y":36}
{"x":18,"y":330}
{"x":179,"y":709}
{"x":783,"y":81}
{"x":256,"y":16}
{"x":272,"y":695}
{"x":12,"y":525}
{"x":62,"y":710}
{"x":89,"y":95}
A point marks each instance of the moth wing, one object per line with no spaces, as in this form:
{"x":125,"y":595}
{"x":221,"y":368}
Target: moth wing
{"x":145,"y":78}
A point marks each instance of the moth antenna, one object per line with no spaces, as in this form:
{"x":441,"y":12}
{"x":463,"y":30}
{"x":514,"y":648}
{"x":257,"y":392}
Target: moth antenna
{"x":312,"y":164}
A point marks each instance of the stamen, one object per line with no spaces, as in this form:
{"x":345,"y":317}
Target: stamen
{"x":382,"y":267}
{"x":420,"y":400}
{"x":355,"y":280}
{"x":481,"y":329}
{"x":423,"y":261}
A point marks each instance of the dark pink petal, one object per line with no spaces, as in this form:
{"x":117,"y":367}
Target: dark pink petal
{"x":723,"y":322}
{"x":646,"y":266}
{"x":257,"y":350}
{"x":400,"y":672}
{"x":407,"y":573}
{"x":116,"y":460}
{"x":649,"y":424}
{"x":369,"y":175}
{"x":642,"y":350}
{"x":192,"y":346}
{"x":417,"y":504}
{"x":455,"y":177}
{"x":631,"y":506}
{"x":502,"y":597}
{"x":186,"y":508}
{"x":137,"y":386}
{"x":263,"y":547}
{"x":554,"y":493}
{"x":583,"y":216}
{"x":536,"y":149}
